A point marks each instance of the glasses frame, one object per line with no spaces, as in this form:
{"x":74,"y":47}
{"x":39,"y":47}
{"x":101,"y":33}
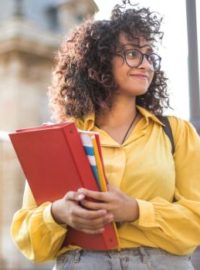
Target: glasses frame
{"x":123,"y":53}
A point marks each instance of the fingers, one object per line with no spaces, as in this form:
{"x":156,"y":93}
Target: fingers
{"x":74,"y":196}
{"x":87,"y":214}
{"x":96,"y":195}
{"x":87,"y":220}
{"x":94,"y":205}
{"x":93,"y":225}
{"x":92,"y":231}
{"x":91,"y":220}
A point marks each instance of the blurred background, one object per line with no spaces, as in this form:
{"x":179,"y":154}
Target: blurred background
{"x":31,"y":31}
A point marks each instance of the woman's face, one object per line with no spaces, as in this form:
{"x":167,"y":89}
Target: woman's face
{"x":132,"y":79}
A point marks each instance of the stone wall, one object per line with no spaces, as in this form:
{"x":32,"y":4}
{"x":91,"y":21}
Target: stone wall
{"x":12,"y":186}
{"x":24,"y":81}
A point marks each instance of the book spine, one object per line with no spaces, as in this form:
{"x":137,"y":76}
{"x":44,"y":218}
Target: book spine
{"x":89,"y":151}
{"x":108,"y":239}
{"x":101,"y":177}
{"x":81,"y":162}
{"x":101,"y":155}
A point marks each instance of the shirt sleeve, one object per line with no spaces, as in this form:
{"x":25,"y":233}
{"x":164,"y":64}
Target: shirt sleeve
{"x":34,"y":230}
{"x":176,"y":226}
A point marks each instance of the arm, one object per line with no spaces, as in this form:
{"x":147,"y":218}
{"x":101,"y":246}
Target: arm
{"x":173,"y":226}
{"x":34,"y":230}
{"x":39,"y":231}
{"x":177,"y":225}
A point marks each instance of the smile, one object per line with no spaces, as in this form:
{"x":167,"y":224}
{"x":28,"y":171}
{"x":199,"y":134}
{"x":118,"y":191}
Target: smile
{"x":139,"y":76}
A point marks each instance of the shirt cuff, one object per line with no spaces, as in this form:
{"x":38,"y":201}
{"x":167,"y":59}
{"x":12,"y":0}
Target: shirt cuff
{"x":146,"y":214}
{"x":50,"y":221}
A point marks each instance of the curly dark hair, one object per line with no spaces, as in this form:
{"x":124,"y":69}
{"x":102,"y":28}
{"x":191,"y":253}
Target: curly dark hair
{"x":83,"y":81}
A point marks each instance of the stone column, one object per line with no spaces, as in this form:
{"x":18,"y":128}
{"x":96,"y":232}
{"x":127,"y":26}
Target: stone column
{"x":71,"y":13}
{"x":25,"y":74}
{"x":26,"y":60}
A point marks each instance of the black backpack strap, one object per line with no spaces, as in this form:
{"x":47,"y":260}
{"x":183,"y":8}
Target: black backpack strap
{"x":167,"y":129}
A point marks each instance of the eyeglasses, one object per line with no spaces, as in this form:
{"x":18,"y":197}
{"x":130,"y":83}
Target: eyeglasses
{"x":134,"y":58}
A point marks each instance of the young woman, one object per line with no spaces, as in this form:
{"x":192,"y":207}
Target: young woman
{"x":108,"y":79}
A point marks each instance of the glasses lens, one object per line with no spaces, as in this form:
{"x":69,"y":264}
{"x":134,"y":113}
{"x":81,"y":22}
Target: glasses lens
{"x":154,"y":60}
{"x":133,"y":57}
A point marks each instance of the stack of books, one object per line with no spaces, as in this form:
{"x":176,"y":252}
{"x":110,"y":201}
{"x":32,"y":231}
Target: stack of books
{"x":59,"y":158}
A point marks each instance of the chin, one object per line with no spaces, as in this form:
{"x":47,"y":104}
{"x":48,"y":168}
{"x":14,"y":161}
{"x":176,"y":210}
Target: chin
{"x":133,"y":91}
{"x":138,"y":92}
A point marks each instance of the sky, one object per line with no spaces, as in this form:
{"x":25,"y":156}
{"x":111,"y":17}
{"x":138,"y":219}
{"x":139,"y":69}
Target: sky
{"x":173,"y":50}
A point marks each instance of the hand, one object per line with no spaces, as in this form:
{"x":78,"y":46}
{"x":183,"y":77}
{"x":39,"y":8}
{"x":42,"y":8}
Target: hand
{"x":116,"y":202}
{"x":69,"y":211}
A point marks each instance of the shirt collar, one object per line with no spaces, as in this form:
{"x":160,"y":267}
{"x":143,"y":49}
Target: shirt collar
{"x":85,"y":123}
{"x":148,"y":115}
{"x":88,"y":122}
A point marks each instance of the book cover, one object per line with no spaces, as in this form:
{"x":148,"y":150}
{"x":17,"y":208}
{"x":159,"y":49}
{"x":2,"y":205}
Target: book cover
{"x":54,"y":162}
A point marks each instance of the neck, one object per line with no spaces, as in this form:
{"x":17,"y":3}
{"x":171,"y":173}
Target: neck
{"x":122,"y":112}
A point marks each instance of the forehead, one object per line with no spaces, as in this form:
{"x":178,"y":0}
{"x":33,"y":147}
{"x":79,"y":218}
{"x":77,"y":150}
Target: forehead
{"x":138,"y":42}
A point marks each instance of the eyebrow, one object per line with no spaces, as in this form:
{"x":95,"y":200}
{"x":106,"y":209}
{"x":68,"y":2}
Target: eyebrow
{"x":150,"y":49}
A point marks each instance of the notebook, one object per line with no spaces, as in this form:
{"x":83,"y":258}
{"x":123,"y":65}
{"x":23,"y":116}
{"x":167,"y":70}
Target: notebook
{"x":54,"y":161}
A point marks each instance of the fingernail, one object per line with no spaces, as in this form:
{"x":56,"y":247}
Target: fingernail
{"x":80,"y":196}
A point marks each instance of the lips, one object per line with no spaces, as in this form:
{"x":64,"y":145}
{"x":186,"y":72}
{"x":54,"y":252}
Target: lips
{"x":140,"y":76}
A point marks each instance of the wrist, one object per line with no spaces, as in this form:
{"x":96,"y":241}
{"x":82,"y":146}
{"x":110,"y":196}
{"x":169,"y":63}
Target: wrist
{"x":55,"y":212}
{"x":133,"y":210}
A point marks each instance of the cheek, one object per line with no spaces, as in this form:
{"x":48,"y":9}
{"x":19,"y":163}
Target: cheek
{"x":119,"y":70}
{"x":151,"y":78}
{"x":117,"y":64}
{"x":120,"y":77}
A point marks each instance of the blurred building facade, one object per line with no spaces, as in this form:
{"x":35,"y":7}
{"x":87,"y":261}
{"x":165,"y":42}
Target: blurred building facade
{"x":31,"y":31}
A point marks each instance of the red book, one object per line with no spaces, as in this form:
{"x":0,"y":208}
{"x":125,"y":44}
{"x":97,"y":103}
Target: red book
{"x":54,"y":162}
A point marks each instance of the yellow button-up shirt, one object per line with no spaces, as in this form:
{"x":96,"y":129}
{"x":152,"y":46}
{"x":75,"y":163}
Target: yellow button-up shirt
{"x":167,"y":189}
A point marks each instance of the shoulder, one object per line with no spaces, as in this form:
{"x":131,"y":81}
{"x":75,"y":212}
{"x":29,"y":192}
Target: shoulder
{"x":180,"y":125}
{"x":183,"y":131}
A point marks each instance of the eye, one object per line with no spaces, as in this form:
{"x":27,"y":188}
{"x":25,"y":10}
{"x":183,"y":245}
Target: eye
{"x":132,"y":54}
